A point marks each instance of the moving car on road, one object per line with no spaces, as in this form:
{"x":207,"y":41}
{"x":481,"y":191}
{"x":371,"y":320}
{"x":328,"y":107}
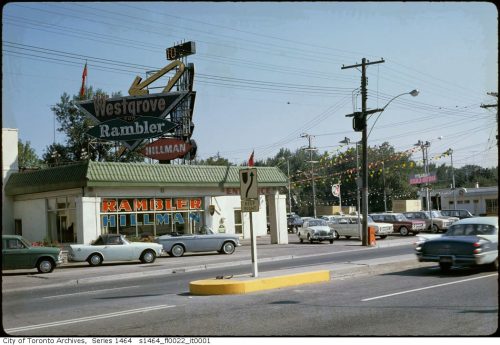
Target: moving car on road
{"x":114,"y":247}
{"x":205,"y":240}
{"x":348,"y":226}
{"x":315,"y":230}
{"x":401,"y":224}
{"x":18,"y":253}
{"x":468,"y":242}
{"x":293,"y":222}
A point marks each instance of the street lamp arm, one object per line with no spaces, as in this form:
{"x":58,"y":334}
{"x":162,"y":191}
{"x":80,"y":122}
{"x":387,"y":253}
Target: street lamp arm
{"x":414,"y":93}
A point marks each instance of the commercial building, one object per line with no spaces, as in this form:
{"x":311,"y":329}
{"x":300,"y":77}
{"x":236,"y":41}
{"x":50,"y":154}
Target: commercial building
{"x":76,"y":203}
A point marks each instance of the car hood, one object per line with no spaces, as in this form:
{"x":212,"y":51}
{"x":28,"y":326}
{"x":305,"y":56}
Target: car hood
{"x":53,"y":250}
{"x":320,"y":228}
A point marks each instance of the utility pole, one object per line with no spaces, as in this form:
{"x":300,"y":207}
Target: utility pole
{"x":311,"y":149}
{"x":425,"y":156}
{"x":485,"y":106}
{"x":359,"y":122}
{"x":450,"y":152}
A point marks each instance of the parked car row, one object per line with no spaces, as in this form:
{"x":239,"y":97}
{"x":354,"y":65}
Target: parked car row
{"x":18,"y":253}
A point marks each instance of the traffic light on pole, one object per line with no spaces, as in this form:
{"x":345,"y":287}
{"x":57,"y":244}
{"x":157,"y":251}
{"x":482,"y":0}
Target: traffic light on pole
{"x":358,"y":122}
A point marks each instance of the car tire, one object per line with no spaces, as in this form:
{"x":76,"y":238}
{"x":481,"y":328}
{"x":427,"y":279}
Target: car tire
{"x":383,"y":237}
{"x":95,"y":260}
{"x":404,"y":231}
{"x":336,"y":235}
{"x":228,"y":248}
{"x":45,"y":265}
{"x":494,"y":265}
{"x":148,"y":257}
{"x":301,"y":240}
{"x":331,"y":241}
{"x":445,"y":267}
{"x":309,"y":238}
{"x":434,"y":229}
{"x":347,"y":237}
{"x":177,"y":250}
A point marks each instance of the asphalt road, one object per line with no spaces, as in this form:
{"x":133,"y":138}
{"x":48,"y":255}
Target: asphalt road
{"x":405,"y":301}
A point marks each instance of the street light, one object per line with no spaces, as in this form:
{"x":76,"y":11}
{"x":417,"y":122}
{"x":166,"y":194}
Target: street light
{"x":364,"y":140}
{"x":450,"y":152}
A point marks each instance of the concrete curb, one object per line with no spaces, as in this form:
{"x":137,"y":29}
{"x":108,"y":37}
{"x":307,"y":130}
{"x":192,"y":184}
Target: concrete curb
{"x":243,"y":286}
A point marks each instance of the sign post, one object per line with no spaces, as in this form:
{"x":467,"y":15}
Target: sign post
{"x":250,"y":203}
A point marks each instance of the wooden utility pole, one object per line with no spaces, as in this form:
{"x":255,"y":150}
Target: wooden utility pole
{"x":360,"y":123}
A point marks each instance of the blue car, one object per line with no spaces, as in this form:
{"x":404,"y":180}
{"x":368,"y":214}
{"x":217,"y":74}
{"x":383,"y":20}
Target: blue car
{"x":468,"y":242}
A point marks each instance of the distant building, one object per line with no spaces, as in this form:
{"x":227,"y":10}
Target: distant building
{"x":480,"y":201}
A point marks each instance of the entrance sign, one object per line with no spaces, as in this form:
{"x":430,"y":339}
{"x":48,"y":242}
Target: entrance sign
{"x":423,"y":178}
{"x":250,"y":205}
{"x":248,"y":184}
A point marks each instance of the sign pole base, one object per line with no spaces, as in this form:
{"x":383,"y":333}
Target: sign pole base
{"x":255,"y":270}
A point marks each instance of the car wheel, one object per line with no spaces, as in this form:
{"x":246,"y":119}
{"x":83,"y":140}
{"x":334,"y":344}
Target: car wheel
{"x":228,"y":248}
{"x":494,"y":265}
{"x":148,"y":257}
{"x":309,"y":238}
{"x":45,"y":265}
{"x":348,"y":237}
{"x":95,"y":260}
{"x":331,"y":241}
{"x":445,"y":267}
{"x":434,"y":229}
{"x":177,"y":250}
{"x":404,"y":231}
{"x":383,"y":236}
{"x":336,"y":235}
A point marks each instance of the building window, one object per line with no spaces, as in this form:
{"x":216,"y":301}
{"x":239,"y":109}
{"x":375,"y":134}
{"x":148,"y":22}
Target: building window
{"x":62,"y":219}
{"x":18,"y":227}
{"x":238,"y":222}
{"x":491,"y":206}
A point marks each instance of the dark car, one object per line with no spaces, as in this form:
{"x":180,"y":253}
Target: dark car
{"x":401,"y":224}
{"x":468,"y":242}
{"x":457,"y":213}
{"x":293,"y":222}
{"x":18,"y":252}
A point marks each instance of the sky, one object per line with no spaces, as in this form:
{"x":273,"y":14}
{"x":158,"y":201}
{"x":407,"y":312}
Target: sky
{"x":266,"y":73}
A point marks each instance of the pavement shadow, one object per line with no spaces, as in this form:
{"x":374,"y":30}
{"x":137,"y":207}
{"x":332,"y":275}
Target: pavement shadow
{"x":435,"y":271}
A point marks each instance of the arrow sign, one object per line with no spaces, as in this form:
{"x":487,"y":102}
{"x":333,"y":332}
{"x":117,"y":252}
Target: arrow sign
{"x":138,"y":89}
{"x":249,"y":188}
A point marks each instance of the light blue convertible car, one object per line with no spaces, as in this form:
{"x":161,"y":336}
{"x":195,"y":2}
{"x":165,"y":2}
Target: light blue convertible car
{"x":205,"y":240}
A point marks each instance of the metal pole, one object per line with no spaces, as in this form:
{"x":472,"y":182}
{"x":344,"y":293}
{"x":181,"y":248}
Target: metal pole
{"x":255,"y":270}
{"x":453,"y":181}
{"x":364,"y":140}
{"x":383,"y":177}
{"x":289,"y":190}
{"x":357,"y":191}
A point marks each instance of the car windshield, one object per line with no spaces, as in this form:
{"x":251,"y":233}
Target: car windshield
{"x":470,"y":230}
{"x":317,"y":222}
{"x":400,"y":218}
{"x":435,"y":214}
{"x":205,"y":230}
{"x":370,"y":219}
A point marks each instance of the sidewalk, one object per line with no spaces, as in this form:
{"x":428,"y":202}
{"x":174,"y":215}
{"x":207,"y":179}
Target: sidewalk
{"x":74,"y":274}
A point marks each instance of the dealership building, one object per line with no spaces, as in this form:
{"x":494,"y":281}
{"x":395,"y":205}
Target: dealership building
{"x":75,"y":203}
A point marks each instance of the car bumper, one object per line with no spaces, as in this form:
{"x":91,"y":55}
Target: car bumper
{"x":321,"y":238}
{"x":465,"y":260}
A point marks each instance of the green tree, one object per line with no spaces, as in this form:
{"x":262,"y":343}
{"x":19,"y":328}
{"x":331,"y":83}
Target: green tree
{"x":79,"y":146}
{"x":27,"y":157}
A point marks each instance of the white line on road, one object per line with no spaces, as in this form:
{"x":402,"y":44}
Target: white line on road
{"x":428,"y":287}
{"x":91,"y":292}
{"x":89,"y":318}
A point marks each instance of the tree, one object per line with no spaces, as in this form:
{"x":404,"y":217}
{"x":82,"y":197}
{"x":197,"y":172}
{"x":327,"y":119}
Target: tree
{"x":79,"y":146}
{"x":27,"y":157}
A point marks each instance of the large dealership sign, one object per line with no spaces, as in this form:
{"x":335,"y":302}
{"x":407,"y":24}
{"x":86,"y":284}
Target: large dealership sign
{"x":131,"y":119}
{"x":423,"y":178}
{"x":167,"y":149}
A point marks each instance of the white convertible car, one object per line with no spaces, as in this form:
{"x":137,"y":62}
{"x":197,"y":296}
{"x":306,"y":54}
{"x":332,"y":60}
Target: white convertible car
{"x":114,"y":247}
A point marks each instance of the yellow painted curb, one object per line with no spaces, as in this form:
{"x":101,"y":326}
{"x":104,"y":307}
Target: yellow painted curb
{"x":235,"y":287}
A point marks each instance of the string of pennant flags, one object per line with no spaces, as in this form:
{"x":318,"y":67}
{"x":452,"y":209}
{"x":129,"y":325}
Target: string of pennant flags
{"x":375,"y":168}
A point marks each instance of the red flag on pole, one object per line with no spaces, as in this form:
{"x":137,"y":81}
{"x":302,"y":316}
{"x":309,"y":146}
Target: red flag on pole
{"x":84,"y":77}
{"x":250,"y":161}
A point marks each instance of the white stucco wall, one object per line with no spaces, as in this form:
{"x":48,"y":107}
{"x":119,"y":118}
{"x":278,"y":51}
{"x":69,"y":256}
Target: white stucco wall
{"x":10,"y":138}
{"x":88,"y":219}
{"x":33,"y":214}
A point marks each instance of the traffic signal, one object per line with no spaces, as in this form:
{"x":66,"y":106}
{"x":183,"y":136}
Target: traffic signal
{"x":358,"y":122}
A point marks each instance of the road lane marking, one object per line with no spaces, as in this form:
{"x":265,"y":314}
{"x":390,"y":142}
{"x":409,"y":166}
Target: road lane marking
{"x":428,"y":287}
{"x":91,"y":292}
{"x":88,"y":318}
